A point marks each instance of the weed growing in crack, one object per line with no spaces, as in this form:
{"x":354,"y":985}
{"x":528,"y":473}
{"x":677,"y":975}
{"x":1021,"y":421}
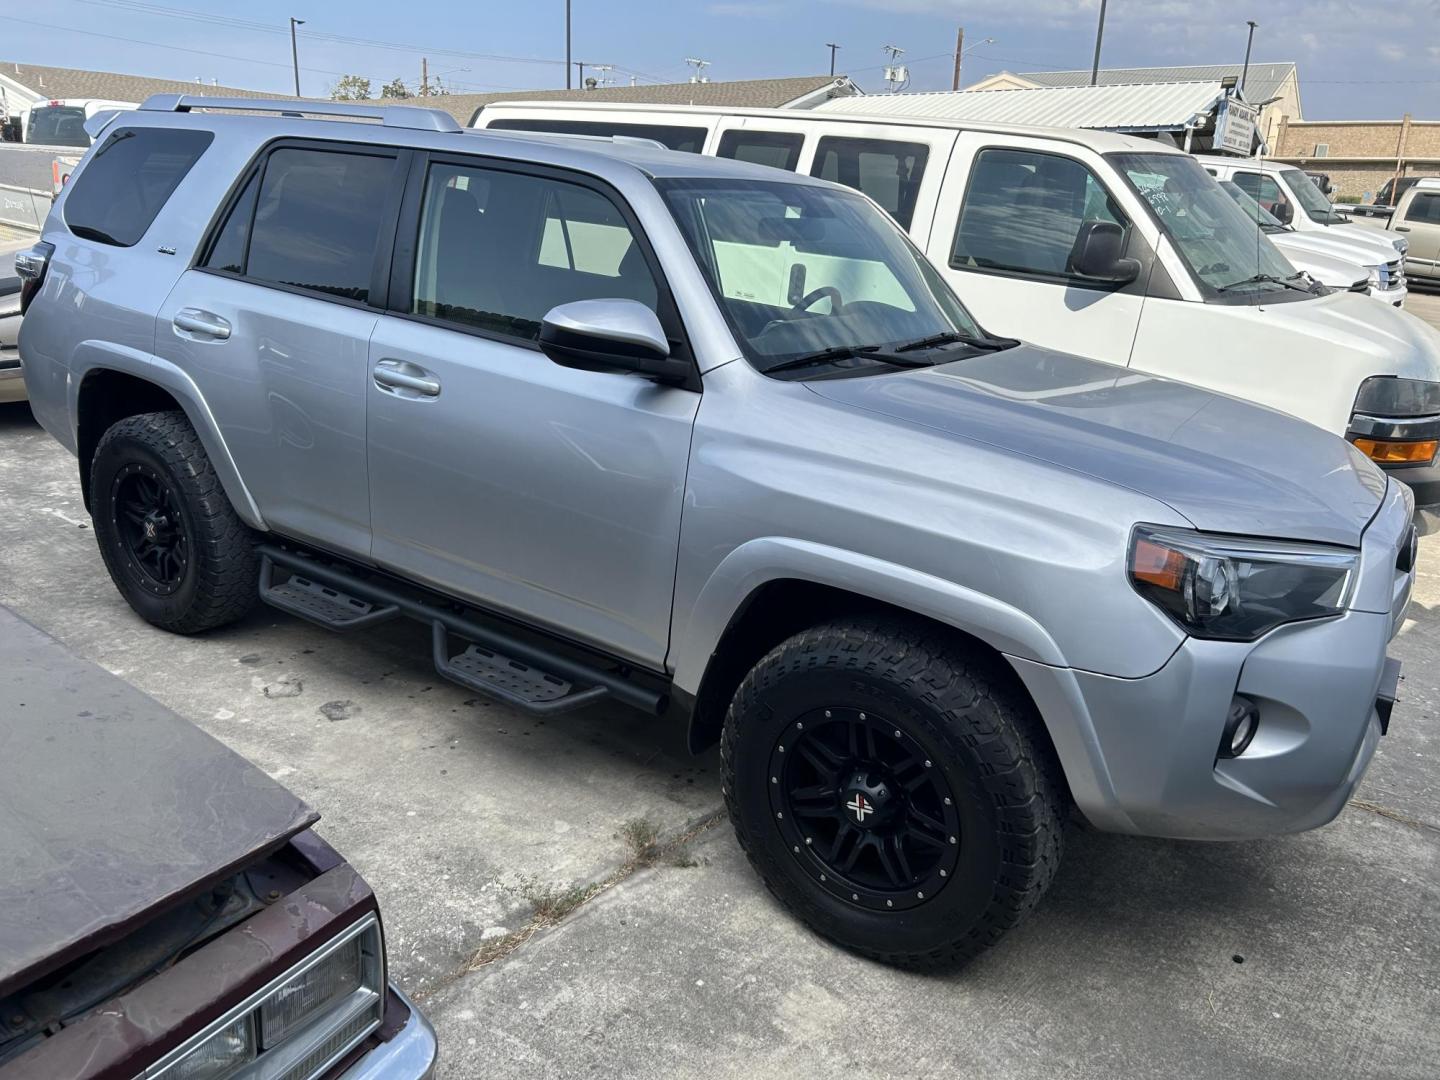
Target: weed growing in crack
{"x":642,"y":838}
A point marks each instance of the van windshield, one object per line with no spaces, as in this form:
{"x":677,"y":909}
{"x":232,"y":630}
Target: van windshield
{"x":1222,"y":245}
{"x":57,"y":125}
{"x":1317,"y":208}
{"x":801,"y":270}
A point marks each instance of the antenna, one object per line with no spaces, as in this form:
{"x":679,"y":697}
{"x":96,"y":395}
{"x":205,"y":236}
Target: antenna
{"x":896,"y":74}
{"x":699,"y":66}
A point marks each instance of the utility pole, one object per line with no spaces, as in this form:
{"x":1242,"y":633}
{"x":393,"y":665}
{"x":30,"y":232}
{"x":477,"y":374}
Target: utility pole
{"x":896,"y":74}
{"x":832,"y":47}
{"x":699,"y":66}
{"x":959,"y":48}
{"x":567,"y":46}
{"x":1248,"y":42}
{"x":295,"y":52}
{"x":582,"y":77}
{"x":424,"y":76}
{"x":1099,"y":36}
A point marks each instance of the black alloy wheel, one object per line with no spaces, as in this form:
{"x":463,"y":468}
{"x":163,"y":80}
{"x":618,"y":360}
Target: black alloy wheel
{"x":151,"y":527}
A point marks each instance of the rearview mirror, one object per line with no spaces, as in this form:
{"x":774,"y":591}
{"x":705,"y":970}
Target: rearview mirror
{"x":1097,"y":253}
{"x":611,"y":335}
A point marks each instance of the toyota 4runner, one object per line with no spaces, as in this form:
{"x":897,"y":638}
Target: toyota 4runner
{"x":628,"y":426}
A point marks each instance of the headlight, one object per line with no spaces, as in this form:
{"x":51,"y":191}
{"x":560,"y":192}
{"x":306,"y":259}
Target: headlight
{"x":1376,"y":277}
{"x":1402,"y":243}
{"x":1381,"y":395}
{"x":308,"y":993}
{"x":219,"y":1055}
{"x":1237,"y":589}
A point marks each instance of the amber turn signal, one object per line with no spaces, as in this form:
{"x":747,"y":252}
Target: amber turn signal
{"x":1388,"y":452}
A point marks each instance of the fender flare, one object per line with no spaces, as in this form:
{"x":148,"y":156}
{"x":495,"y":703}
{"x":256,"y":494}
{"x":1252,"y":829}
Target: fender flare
{"x":758,"y":562}
{"x":92,"y":356}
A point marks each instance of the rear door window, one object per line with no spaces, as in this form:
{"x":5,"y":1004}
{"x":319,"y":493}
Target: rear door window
{"x":1425,"y":209}
{"x":118,"y":194}
{"x":889,"y":172}
{"x":317,"y":220}
{"x":499,"y":249}
{"x":688,"y":139}
{"x":777,"y":149}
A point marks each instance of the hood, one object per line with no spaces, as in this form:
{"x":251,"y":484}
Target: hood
{"x":1361,"y":253}
{"x":1224,"y":464}
{"x":1382,"y":242}
{"x":1396,"y":342}
{"x":112,"y":808}
{"x":1331,"y":270}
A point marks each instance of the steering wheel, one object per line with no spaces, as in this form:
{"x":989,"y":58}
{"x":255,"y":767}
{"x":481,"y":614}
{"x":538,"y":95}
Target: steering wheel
{"x":837,"y":303}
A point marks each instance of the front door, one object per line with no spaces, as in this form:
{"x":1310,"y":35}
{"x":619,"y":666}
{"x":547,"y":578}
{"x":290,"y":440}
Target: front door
{"x":1420,"y":222}
{"x":547,"y":493}
{"x":1005,"y":235}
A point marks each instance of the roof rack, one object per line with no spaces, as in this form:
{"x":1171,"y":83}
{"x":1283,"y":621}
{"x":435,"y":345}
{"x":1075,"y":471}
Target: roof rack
{"x":401,"y":116}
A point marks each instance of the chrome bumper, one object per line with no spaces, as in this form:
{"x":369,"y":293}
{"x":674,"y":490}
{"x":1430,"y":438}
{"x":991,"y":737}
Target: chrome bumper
{"x":410,"y":1055}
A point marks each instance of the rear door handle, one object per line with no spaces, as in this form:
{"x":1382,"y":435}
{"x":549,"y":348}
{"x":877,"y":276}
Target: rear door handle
{"x":401,"y":375}
{"x":1402,"y":228}
{"x":202,"y":322}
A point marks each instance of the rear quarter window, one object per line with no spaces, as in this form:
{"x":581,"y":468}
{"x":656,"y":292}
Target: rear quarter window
{"x":127,"y":182}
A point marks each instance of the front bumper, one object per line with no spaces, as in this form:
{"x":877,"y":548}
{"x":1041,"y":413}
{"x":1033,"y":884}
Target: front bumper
{"x":1395,"y":296}
{"x":410,"y":1054}
{"x":1142,"y":755}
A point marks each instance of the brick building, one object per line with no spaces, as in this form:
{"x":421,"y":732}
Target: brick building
{"x":1360,"y":155}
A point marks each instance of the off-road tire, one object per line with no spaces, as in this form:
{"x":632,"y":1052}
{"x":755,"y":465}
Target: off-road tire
{"x":969,"y":714}
{"x":219,"y":580}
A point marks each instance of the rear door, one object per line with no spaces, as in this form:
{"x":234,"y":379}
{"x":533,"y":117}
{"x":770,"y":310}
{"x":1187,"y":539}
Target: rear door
{"x":1420,"y":221}
{"x":1004,"y":236}
{"x":274,"y":325}
{"x":496,"y":475}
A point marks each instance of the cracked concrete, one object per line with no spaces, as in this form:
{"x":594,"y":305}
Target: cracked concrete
{"x":1311,"y":956}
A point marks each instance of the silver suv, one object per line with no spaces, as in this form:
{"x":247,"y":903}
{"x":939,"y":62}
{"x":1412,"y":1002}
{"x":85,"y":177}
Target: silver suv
{"x":625,"y":425}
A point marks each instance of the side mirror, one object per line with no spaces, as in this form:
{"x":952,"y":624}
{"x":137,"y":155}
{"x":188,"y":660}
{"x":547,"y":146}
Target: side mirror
{"x":1097,"y":253}
{"x":1284,"y":212}
{"x":611,"y":335}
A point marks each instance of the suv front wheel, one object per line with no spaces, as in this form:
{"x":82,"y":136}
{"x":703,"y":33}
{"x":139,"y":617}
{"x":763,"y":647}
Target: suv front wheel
{"x":892,"y":790}
{"x":173,"y":544}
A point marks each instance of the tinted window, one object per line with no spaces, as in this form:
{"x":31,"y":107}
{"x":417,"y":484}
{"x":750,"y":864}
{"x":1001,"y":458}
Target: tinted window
{"x":58,"y":125}
{"x":1424,"y":208}
{"x":1262,"y":189}
{"x":1023,"y":212}
{"x":889,"y":172}
{"x":317,"y":220}
{"x":118,"y":193}
{"x":778,"y":149}
{"x":499,"y":249}
{"x":688,"y":139}
{"x":228,"y":251}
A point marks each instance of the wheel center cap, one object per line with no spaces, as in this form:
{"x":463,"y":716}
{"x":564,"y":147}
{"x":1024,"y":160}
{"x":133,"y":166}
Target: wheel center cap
{"x":868,"y":801}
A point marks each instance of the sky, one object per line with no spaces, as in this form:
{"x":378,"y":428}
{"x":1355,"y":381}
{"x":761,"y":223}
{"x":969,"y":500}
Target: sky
{"x":1368,"y":61}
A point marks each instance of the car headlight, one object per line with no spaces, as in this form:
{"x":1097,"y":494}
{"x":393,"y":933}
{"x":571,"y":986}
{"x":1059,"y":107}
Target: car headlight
{"x":1402,"y":243}
{"x":1375,"y":278}
{"x":1237,"y":589}
{"x":297,"y":1026}
{"x":1383,"y":395}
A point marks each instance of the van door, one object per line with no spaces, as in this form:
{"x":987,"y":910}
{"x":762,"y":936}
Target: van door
{"x":1004,"y":236}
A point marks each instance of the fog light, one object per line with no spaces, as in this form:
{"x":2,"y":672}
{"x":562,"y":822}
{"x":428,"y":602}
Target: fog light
{"x":1390,"y":452}
{"x":1241,"y":724}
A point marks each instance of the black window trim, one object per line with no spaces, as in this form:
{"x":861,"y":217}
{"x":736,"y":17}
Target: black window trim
{"x":925,"y":148}
{"x":385,"y":238}
{"x":789,"y":141}
{"x":113,"y":137}
{"x":1136,"y":246}
{"x":1422,"y":196}
{"x":407,"y":240}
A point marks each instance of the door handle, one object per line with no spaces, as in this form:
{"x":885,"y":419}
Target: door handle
{"x":402,"y":375}
{"x":1402,"y":228}
{"x":202,"y":322}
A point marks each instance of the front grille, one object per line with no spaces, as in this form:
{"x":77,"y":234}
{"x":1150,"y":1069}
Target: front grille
{"x":1389,"y":276}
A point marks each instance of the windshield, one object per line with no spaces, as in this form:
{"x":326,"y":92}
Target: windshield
{"x":1268,"y":221}
{"x":1317,"y":208}
{"x":798,"y":269}
{"x":58,"y":125}
{"x":1220,"y":242}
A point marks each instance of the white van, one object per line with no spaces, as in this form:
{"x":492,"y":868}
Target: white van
{"x":1290,"y":195}
{"x":61,"y":121}
{"x":1333,"y":263}
{"x":1117,"y":248}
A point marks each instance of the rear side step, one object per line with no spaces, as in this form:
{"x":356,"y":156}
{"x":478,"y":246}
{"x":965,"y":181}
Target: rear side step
{"x":498,"y":663}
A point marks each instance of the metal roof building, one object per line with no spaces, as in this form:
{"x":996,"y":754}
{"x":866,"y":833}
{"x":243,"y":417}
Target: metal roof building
{"x":1262,"y":82}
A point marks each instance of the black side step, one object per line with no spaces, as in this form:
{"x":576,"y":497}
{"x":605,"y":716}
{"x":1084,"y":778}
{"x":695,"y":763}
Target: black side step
{"x":498,"y":663}
{"x":320,"y":604}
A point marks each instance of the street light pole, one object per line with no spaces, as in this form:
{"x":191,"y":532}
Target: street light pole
{"x":294,"y":52}
{"x":1099,"y":36}
{"x":567,"y":44}
{"x":832,"y":47}
{"x":1248,"y":42}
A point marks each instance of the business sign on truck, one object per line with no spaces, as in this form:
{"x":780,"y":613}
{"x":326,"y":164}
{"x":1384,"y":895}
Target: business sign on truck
{"x":1235,"y":127}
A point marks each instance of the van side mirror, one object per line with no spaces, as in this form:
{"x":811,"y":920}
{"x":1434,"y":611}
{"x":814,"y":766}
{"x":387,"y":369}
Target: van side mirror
{"x":1097,"y":253}
{"x":1284,"y":213}
{"x":611,"y":335}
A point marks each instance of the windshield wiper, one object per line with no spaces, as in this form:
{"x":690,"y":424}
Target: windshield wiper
{"x":1267,"y":279}
{"x":954,"y":337}
{"x":846,"y":352}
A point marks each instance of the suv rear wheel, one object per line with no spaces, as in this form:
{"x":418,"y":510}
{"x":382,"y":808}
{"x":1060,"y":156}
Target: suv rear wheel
{"x":172,"y":542}
{"x":891,"y":790}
